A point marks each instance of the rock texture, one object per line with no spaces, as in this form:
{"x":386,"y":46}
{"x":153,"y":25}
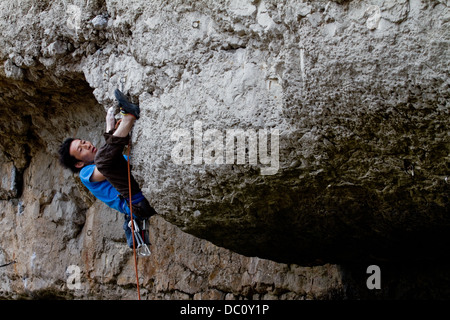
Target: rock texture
{"x":350,"y":96}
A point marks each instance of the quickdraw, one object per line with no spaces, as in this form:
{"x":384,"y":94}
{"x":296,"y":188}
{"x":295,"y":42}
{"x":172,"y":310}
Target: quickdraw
{"x":141,"y":248}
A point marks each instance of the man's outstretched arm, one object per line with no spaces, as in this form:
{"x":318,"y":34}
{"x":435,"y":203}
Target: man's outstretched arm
{"x":110,"y":124}
{"x":122,"y":130}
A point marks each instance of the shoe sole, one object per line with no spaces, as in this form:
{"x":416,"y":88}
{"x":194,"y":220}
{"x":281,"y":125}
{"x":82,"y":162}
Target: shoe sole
{"x":127,"y":105}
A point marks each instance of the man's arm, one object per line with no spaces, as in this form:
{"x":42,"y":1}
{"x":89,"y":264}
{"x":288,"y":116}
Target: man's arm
{"x":110,"y":123}
{"x":110,"y":119}
{"x":97,"y":176}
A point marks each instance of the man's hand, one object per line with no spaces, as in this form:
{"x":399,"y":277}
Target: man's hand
{"x":110,"y":119}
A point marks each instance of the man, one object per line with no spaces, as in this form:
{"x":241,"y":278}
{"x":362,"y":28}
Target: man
{"x":104,"y":171}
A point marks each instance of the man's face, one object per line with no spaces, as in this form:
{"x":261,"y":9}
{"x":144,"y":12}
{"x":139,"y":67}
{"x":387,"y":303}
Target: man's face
{"x":84,"y":151}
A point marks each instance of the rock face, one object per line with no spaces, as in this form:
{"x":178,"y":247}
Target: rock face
{"x":286,"y":146}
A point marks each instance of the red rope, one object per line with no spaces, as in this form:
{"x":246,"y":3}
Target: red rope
{"x":132,"y":222}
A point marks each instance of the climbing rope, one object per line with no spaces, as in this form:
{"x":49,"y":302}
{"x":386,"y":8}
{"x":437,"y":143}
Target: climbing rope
{"x":132,"y":221}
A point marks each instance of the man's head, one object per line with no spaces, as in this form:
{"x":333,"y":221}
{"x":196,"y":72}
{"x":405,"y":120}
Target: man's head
{"x":74,"y":154}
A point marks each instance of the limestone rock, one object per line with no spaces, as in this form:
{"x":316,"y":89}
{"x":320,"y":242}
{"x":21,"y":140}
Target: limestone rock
{"x":9,"y":180}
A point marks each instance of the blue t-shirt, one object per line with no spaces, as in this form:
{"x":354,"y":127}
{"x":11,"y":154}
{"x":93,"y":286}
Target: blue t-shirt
{"x":103,"y":190}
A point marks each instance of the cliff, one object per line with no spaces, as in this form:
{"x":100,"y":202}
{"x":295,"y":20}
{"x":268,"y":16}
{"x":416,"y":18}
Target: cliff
{"x":285,"y":145}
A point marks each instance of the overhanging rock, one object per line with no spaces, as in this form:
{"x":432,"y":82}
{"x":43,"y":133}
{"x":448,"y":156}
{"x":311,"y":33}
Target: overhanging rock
{"x":354,"y":93}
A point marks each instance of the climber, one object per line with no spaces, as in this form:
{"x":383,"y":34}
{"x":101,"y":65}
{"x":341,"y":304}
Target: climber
{"x":104,"y":171}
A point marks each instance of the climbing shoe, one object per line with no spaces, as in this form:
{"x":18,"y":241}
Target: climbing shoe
{"x":126,"y":107}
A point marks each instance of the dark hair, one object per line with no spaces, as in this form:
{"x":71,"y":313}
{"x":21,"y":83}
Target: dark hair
{"x":68,"y":161}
